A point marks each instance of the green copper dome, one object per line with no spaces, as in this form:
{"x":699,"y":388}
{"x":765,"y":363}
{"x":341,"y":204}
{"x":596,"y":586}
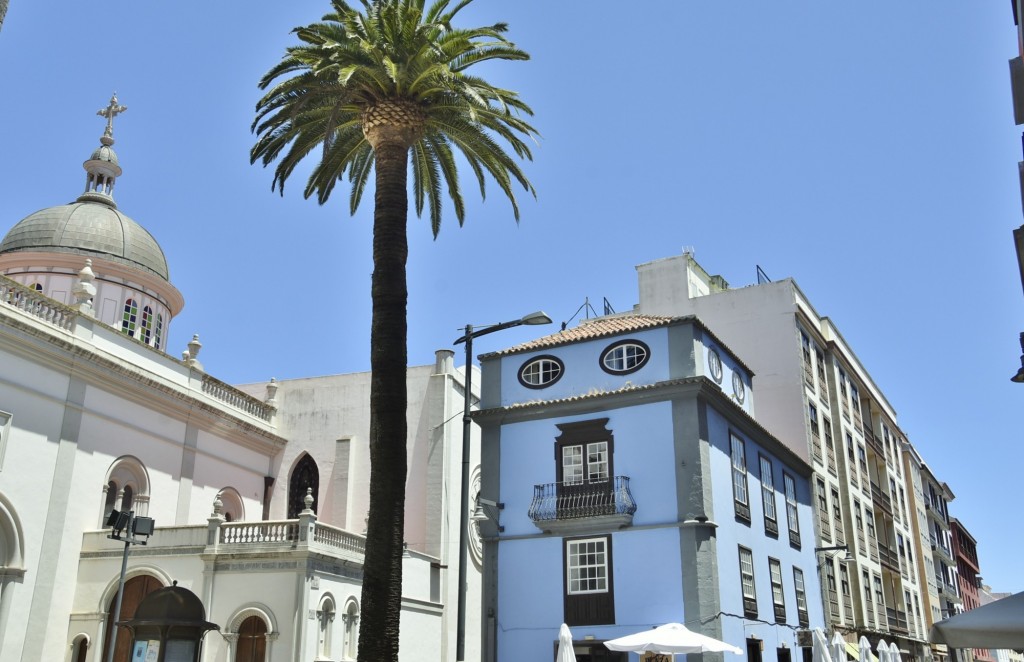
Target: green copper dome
{"x":90,"y":229}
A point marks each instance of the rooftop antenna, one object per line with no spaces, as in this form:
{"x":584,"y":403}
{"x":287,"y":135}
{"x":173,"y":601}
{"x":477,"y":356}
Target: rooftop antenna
{"x":586,"y":306}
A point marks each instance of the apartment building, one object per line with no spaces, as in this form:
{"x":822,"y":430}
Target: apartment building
{"x":816,"y":396}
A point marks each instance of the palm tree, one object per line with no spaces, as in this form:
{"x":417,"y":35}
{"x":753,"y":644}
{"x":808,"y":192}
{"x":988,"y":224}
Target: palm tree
{"x":372,"y":88}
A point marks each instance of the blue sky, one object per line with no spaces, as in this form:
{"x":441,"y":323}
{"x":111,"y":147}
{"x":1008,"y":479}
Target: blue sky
{"x":866,"y":149}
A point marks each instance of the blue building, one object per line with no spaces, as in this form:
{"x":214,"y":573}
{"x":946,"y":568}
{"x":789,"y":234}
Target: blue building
{"x":626,"y":484}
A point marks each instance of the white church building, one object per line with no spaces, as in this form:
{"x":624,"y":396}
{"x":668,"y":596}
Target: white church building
{"x":259,"y":505}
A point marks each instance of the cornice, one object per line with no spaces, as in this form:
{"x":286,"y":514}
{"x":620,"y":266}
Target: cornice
{"x":63,"y":352}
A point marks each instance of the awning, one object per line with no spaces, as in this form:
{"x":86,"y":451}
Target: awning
{"x":998,"y":625}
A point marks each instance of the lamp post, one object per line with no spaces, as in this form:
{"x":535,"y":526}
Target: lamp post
{"x":467,"y":338}
{"x":837,"y":548}
{"x":1018,"y":242}
{"x":133,"y":526}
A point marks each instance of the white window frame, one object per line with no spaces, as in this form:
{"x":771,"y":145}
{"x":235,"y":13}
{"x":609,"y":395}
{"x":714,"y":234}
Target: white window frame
{"x":541,"y":371}
{"x":625,"y":357}
{"x":775,"y":577}
{"x":748,"y":583}
{"x":792,"y":515}
{"x":738,"y":453}
{"x":584,"y":577}
{"x":768,"y":488}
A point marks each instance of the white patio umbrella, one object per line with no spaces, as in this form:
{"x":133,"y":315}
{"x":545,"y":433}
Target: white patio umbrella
{"x":565,"y":650}
{"x":883,"y":651}
{"x":864,"y":647}
{"x":894,"y":653}
{"x":838,"y":649}
{"x":671,"y":638}
{"x":819,"y":646}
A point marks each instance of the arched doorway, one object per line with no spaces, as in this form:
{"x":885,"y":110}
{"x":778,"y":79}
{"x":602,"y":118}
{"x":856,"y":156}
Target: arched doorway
{"x":252,"y":640}
{"x":305,"y":476}
{"x":135,"y":589}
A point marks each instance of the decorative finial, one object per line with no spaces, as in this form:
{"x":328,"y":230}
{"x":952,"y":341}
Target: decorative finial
{"x":218,"y":506}
{"x":308,"y":499}
{"x":84,"y":290}
{"x":271,"y":398}
{"x":112,"y":110}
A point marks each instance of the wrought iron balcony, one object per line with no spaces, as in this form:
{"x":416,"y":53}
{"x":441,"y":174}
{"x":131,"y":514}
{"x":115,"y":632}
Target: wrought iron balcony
{"x":571,"y":504}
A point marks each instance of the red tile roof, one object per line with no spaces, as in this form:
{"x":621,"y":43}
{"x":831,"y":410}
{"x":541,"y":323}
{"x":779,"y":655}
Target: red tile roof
{"x":600,"y":327}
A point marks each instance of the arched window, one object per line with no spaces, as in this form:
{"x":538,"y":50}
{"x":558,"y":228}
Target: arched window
{"x":126,"y":498}
{"x":325,"y":615}
{"x":109,"y":500}
{"x":231,"y":504}
{"x":158,"y":331}
{"x":252,"y":640}
{"x":146,"y":325}
{"x":351,"y":618}
{"x":131,"y":312}
{"x":305,"y":475}
{"x":127,"y":487}
{"x":80,"y":648}
{"x":38,"y":287}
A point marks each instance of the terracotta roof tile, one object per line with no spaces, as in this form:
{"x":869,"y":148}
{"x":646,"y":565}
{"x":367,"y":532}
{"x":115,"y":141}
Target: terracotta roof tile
{"x":600,"y":327}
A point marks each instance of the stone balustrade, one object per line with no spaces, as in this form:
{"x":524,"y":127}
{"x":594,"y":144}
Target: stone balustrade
{"x":36,"y":304}
{"x":230,"y":395}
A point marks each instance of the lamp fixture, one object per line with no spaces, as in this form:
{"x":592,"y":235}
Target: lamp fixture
{"x":837,"y":548}
{"x":480,"y":515}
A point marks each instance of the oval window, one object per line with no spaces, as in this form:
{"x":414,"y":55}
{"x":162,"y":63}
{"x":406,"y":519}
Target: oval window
{"x":540,"y":372}
{"x":715,"y":365}
{"x":624,"y":357}
{"x":738,"y":389}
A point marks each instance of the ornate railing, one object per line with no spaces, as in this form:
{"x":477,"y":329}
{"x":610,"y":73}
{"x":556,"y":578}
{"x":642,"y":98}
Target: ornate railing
{"x":36,"y":304}
{"x":333,"y":537}
{"x":557,"y":501}
{"x":238,"y":399}
{"x":252,"y":533}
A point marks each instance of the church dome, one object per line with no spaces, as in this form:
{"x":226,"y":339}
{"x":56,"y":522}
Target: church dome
{"x":91,"y":229}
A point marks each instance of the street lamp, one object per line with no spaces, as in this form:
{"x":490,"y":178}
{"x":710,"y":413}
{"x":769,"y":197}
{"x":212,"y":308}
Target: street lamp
{"x":836,"y":548}
{"x":1018,"y":242}
{"x":131,"y":526}
{"x":467,"y":338}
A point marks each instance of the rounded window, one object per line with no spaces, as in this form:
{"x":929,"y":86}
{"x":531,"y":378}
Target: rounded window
{"x":715,"y":365}
{"x":541,"y":371}
{"x":738,"y":389}
{"x":624,"y":357}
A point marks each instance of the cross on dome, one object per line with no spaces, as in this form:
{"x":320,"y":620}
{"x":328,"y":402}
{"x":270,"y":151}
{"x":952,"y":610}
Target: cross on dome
{"x":112,"y":110}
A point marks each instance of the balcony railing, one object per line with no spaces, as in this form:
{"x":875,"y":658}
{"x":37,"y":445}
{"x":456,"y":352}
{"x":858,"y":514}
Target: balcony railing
{"x":563,"y":501}
{"x":34,"y":303}
{"x":888,"y":558}
{"x":881,"y":498}
{"x":897,"y":620}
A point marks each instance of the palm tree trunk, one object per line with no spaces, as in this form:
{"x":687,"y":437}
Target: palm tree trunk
{"x":382,"y":567}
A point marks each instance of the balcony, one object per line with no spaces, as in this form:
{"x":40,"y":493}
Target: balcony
{"x":874,"y":441}
{"x":888,"y":558}
{"x":881,"y":499}
{"x":897,"y":621}
{"x":581,"y":507}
